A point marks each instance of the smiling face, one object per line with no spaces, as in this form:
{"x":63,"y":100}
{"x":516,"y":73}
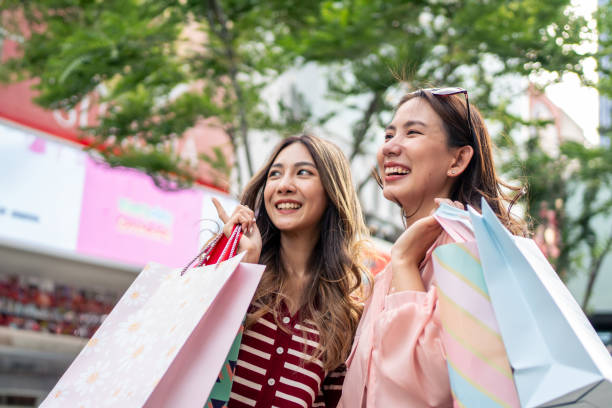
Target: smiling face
{"x":415,"y":158}
{"x":294,"y":196}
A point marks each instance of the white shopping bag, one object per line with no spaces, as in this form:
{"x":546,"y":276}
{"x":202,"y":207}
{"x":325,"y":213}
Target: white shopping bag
{"x":164,"y":342}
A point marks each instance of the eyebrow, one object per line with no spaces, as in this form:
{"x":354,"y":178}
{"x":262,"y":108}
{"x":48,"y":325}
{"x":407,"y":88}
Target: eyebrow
{"x":298,"y":164}
{"x":407,"y":124}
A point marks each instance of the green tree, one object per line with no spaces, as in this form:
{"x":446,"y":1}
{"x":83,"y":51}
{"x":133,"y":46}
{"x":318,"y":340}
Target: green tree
{"x":367,"y":45}
{"x":576,"y":184}
{"x":588,"y":232}
{"x":165,"y":65}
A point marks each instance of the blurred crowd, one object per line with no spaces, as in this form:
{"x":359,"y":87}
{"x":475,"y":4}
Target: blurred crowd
{"x":43,"y":305}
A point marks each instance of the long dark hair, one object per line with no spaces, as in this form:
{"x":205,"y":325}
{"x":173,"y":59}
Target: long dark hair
{"x":332,"y":298}
{"x":479,"y":179}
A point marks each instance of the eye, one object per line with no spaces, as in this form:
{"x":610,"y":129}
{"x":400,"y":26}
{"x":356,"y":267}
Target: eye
{"x":412,"y":132}
{"x":273,"y":173}
{"x":388,"y":136}
{"x":304,"y":172}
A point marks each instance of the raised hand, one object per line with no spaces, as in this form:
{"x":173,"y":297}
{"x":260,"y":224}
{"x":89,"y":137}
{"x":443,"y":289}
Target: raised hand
{"x":410,"y":249}
{"x":251,"y":238}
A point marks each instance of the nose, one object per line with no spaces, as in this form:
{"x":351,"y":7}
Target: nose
{"x":286,"y":184}
{"x":390,"y":148}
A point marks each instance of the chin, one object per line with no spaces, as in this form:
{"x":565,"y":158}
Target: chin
{"x":284,"y":225}
{"x":391,"y":194}
{"x":287,"y":229}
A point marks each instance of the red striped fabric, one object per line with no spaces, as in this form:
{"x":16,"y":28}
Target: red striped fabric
{"x":275,"y":368}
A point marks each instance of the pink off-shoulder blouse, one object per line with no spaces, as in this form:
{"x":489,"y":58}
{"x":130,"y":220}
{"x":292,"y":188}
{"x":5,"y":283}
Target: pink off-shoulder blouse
{"x":397,"y":359}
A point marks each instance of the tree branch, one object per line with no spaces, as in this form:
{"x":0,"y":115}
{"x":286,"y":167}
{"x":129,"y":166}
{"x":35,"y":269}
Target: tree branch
{"x":225,"y":37}
{"x":362,"y":127}
{"x":594,"y":271}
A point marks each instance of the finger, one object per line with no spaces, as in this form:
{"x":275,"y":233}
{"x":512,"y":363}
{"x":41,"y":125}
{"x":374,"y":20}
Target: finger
{"x":459,"y":204}
{"x":248,"y":218}
{"x":245,"y":222}
{"x":440,"y":201}
{"x":220,"y":211}
{"x":227,"y":229}
{"x":252,"y":222}
{"x":236,"y":219}
{"x":253,"y":228}
{"x":248,"y":211}
{"x":240,"y":217}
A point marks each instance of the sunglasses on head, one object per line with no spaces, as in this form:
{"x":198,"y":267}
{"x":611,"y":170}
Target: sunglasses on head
{"x":454,"y":91}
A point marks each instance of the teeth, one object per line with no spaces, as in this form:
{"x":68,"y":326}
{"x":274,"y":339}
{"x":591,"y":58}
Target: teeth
{"x":288,"y":206}
{"x":396,"y":170}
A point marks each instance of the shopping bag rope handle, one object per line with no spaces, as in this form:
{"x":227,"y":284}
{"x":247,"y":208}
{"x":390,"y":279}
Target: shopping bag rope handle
{"x":231,"y":243}
{"x":233,"y":240}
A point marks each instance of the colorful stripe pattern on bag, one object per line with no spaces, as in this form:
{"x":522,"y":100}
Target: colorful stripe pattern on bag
{"x":479,"y":371}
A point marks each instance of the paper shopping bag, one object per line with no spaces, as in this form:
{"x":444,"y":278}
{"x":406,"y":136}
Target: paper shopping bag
{"x":164,"y":342}
{"x":220,"y":249}
{"x":478,"y":367}
{"x":557,"y":357}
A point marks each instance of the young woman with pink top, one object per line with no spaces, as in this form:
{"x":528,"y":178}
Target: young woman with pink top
{"x":435,"y":149}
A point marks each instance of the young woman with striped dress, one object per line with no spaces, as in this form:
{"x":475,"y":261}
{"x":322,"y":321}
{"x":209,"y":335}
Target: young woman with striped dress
{"x":310,"y":234}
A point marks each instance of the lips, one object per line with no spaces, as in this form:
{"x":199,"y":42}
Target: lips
{"x":287,"y":205}
{"x":396,"y":169}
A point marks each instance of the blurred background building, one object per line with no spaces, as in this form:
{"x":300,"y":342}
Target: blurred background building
{"x":74,"y":233}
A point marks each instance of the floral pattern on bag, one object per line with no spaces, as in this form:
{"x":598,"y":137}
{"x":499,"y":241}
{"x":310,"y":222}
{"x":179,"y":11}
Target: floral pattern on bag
{"x":143,"y":334}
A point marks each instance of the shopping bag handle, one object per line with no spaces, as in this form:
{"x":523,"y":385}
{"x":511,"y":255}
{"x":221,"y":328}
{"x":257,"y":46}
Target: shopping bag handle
{"x":231,"y":245}
{"x":456,"y":222}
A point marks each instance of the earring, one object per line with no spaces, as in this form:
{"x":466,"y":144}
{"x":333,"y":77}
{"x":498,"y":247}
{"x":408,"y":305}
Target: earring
{"x":452,"y":172}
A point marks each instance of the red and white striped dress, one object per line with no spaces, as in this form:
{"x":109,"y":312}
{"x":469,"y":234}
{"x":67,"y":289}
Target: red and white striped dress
{"x":275,"y":368}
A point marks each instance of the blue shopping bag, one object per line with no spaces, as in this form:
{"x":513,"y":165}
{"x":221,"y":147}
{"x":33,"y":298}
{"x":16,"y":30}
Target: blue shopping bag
{"x":556,"y":355}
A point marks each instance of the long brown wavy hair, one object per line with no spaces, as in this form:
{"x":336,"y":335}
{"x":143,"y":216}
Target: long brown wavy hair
{"x":479,"y":179}
{"x":333,"y":298}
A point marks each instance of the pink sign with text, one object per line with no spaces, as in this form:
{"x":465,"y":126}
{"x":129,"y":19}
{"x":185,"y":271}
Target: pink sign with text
{"x":124,"y":217}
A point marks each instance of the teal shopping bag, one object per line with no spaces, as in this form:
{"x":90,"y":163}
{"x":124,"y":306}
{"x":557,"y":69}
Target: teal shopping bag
{"x":557,"y":357}
{"x":220,"y":394}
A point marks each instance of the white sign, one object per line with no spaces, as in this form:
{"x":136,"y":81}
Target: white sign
{"x":41,"y":188}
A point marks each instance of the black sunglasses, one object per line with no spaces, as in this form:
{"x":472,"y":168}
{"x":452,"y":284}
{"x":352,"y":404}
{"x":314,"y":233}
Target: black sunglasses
{"x":454,"y":91}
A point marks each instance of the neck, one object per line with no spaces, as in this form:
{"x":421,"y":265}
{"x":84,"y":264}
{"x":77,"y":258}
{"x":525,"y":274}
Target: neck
{"x":422,"y":212}
{"x":426,"y":207}
{"x":296,"y":248}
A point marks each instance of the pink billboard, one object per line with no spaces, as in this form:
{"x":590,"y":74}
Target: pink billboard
{"x":124,"y":217}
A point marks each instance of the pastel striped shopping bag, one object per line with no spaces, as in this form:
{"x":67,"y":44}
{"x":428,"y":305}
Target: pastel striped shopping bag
{"x":478,"y":367}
